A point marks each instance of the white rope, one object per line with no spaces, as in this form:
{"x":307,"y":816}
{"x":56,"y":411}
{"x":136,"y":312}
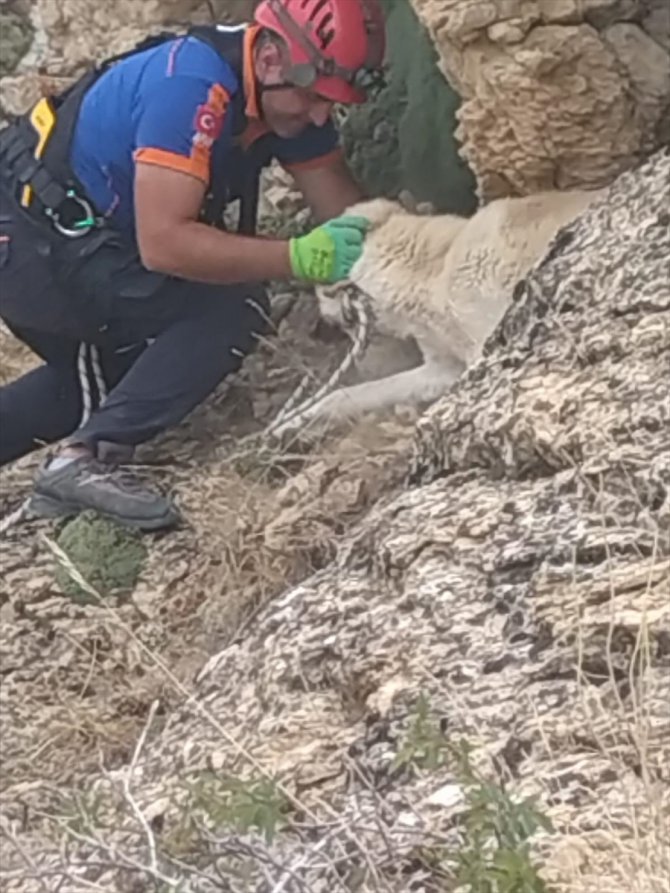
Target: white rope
{"x":291,"y":414}
{"x":84,"y":384}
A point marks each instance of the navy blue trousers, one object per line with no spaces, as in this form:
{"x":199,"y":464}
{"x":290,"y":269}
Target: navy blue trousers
{"x":164,"y":344}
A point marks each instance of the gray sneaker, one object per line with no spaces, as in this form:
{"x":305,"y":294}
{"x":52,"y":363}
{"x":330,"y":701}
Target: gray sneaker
{"x":87,"y":483}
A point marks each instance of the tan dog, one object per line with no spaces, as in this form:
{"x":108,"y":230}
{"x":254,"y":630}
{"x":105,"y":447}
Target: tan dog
{"x":443,"y":280}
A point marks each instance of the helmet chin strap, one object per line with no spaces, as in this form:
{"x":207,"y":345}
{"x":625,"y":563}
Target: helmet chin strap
{"x":272,"y":88}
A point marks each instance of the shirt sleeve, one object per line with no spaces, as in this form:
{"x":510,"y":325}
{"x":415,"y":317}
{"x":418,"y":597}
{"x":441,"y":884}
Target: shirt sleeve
{"x":315,"y":147}
{"x":179,"y":123}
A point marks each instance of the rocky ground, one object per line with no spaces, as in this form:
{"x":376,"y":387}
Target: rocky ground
{"x":78,"y":679}
{"x":281,"y":701}
{"x":279,"y":704}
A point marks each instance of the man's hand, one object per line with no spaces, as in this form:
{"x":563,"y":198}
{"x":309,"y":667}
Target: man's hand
{"x":328,"y":253}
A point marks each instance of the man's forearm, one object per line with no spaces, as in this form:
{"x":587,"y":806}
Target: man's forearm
{"x":201,"y":253}
{"x":329,"y":190}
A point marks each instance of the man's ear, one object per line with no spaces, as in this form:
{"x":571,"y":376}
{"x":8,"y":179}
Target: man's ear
{"x":269,"y":63}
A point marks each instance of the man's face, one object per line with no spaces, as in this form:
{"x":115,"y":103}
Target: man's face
{"x":287,"y":111}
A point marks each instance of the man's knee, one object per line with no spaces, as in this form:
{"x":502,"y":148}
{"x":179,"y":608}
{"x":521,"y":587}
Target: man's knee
{"x":42,"y":406}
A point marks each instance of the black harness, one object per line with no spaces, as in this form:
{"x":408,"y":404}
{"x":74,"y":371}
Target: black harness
{"x":58,"y":198}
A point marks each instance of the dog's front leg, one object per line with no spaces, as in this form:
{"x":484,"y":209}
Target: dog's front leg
{"x":414,"y":386}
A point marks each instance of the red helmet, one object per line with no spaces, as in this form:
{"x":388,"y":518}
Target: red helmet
{"x":333,"y":43}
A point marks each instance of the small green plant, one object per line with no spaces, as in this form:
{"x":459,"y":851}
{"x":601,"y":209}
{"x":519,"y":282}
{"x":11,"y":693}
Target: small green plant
{"x":241,"y":804}
{"x":494,"y":852}
{"x":108,"y":556}
{"x":425,"y":746}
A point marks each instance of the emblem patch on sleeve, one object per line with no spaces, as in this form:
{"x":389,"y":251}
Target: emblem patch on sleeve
{"x":208,"y":123}
{"x":209,"y":118}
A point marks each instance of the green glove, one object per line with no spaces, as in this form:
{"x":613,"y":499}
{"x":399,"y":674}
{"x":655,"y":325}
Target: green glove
{"x":328,"y":253}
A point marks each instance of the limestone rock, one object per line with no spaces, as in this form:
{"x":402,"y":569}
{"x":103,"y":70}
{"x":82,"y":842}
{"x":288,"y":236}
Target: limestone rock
{"x":555,"y":93}
{"x":15,"y":38}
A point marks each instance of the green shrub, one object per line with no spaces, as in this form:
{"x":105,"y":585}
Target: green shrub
{"x":108,"y":556}
{"x":495,"y":831}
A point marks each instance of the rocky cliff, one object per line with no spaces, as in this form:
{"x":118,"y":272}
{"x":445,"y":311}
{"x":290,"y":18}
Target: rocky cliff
{"x":556,"y":93}
{"x":281,"y":703}
{"x":506,"y":585}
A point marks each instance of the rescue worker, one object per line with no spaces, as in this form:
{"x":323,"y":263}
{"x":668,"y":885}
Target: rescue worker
{"x":115,"y":267}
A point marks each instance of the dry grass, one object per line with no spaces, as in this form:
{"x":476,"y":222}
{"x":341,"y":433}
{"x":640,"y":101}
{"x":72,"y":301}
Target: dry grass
{"x":256,"y":527}
{"x":15,"y":358}
{"x":622,"y":844}
{"x":628,"y":850}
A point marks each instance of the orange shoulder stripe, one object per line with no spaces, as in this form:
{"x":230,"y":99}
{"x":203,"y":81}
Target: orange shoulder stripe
{"x":218,"y":98}
{"x":196,"y":165}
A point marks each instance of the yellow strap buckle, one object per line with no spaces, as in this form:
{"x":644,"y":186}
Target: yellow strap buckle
{"x":43,"y":120}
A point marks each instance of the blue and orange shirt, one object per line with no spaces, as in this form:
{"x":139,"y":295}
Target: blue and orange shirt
{"x":170,"y":106}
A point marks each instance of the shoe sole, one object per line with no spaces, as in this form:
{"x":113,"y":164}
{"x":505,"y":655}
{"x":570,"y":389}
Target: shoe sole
{"x":47,"y":507}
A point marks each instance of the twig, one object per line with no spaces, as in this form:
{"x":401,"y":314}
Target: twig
{"x":237,"y":847}
{"x":127,"y":777}
{"x":16,"y":517}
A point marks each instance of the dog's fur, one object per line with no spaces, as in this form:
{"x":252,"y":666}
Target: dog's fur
{"x":444,"y":280}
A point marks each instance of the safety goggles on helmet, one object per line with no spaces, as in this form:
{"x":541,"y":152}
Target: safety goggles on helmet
{"x":306,"y":75}
{"x":364,"y":79}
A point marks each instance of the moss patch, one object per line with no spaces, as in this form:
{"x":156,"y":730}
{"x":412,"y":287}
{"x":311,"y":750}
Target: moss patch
{"x":108,"y":556}
{"x":404,"y":137}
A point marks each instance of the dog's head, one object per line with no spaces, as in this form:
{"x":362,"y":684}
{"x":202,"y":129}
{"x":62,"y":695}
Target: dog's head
{"x":334,"y":302}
